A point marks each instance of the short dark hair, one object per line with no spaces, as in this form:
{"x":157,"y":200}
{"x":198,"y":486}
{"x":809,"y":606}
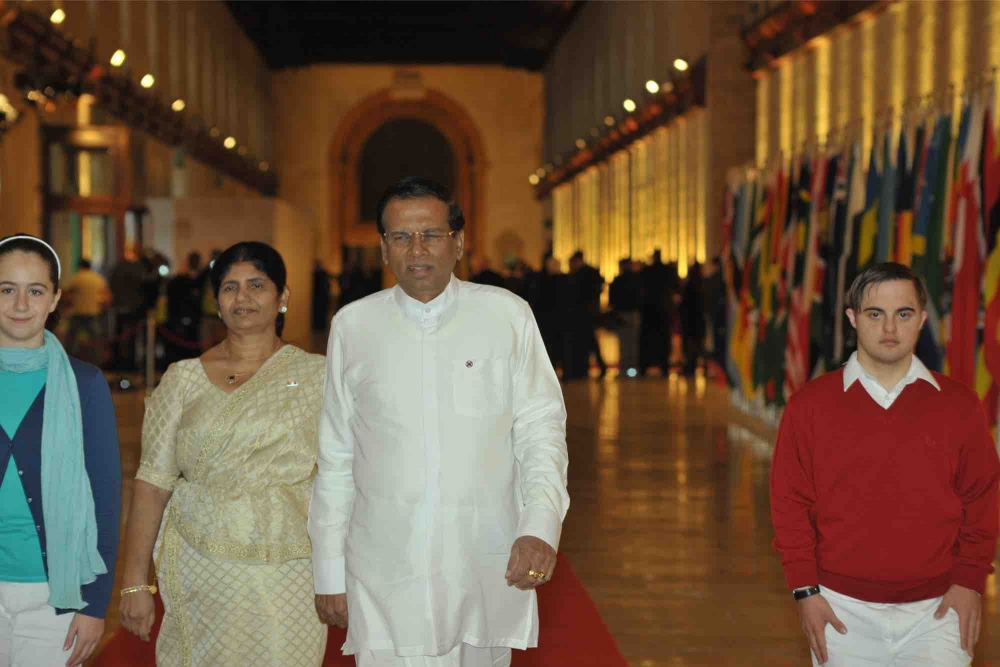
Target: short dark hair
{"x":84,"y":263}
{"x":883,"y":273}
{"x":417,"y":187}
{"x":263,"y":257}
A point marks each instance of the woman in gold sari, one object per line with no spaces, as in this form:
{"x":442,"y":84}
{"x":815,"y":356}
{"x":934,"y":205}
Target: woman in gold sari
{"x":221,"y":496}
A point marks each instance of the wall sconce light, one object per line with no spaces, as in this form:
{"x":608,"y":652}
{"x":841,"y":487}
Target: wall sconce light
{"x":533,"y":179}
{"x":229,"y":143}
{"x":629,"y":105}
{"x":652,"y":87}
{"x":178,"y":105}
{"x":680,"y":64}
{"x":118,"y":58}
{"x":58,"y":16}
{"x":147,"y":81}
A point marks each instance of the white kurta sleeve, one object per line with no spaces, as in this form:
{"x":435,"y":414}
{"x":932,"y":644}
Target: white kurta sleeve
{"x":539,"y":438}
{"x":333,"y":490}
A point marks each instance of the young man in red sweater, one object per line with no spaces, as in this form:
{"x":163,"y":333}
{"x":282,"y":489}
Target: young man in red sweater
{"x":884,"y":495}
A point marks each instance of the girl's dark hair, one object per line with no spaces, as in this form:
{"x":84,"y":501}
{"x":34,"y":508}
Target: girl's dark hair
{"x":39,"y":248}
{"x":263,"y":257}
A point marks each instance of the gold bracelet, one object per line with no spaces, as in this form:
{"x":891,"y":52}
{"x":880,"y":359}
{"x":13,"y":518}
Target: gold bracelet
{"x":136,"y":589}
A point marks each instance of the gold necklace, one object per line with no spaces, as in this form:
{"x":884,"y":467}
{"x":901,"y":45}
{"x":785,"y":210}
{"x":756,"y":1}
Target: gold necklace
{"x":234,"y":378}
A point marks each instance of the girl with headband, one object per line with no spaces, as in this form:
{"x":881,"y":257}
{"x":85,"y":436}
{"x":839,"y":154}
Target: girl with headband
{"x":60,"y":475}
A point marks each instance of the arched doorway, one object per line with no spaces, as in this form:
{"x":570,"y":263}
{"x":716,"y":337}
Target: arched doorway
{"x":380,"y":121}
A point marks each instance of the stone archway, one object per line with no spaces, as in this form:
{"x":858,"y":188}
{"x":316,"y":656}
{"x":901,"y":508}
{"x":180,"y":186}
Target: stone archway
{"x":368,"y":116}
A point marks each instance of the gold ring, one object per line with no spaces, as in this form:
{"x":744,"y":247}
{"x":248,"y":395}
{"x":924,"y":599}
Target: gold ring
{"x":537,"y":575}
{"x":532,"y":573}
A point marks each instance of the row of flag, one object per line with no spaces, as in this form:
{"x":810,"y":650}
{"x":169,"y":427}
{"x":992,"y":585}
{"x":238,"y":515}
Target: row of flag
{"x":797,"y":234}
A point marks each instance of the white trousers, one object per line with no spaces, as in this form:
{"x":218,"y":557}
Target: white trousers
{"x":892,"y":635}
{"x":31,"y":635}
{"x":463,"y":655}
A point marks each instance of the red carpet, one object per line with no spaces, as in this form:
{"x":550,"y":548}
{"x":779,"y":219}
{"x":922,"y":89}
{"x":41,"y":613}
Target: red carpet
{"x":571,"y":634}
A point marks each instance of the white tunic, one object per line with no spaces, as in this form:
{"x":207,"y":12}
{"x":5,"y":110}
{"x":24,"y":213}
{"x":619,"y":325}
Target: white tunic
{"x":443,"y":439}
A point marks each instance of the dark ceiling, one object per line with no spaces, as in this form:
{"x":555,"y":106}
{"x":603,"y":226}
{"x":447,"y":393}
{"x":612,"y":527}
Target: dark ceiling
{"x":518,"y":34}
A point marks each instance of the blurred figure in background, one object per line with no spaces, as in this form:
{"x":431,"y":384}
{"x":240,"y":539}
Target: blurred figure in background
{"x":692,"y":312}
{"x":320,"y":297}
{"x":625,"y":298}
{"x":129,"y":308}
{"x":184,"y":312}
{"x":211,"y":329}
{"x":550,"y":310}
{"x":90,"y":297}
{"x":481,"y":272}
{"x":715,"y":308}
{"x":585,"y":287}
{"x":654,"y":335}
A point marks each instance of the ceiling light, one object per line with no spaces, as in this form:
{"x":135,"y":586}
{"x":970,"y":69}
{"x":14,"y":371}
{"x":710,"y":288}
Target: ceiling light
{"x":652,"y":87}
{"x":178,"y":105}
{"x":580,"y":143}
{"x":118,"y":58}
{"x":680,"y":64}
{"x":609,"y":121}
{"x":230,"y":143}
{"x":147,"y":81}
{"x":533,"y":179}
{"x":58,"y":16}
{"x":629,"y":105}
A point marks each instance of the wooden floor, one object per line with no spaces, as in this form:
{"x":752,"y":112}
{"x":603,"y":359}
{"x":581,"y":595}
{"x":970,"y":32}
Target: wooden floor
{"x":669,"y":526}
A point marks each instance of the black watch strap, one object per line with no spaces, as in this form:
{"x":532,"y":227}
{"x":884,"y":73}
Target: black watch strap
{"x":803,"y":593}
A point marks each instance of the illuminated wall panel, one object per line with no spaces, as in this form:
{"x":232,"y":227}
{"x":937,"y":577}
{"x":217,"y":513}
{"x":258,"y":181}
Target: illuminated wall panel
{"x":855,"y":73}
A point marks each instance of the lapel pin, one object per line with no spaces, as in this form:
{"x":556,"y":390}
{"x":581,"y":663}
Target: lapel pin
{"x":292,"y":383}
{"x":468,"y":364}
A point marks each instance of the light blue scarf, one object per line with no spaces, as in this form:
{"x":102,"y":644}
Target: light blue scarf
{"x":67,"y":501}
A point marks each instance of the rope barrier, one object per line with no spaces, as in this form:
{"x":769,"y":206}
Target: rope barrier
{"x":114,"y":340}
{"x":180,"y":341}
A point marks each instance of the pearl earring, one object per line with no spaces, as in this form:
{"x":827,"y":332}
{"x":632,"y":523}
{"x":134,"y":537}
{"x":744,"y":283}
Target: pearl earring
{"x":284,"y":309}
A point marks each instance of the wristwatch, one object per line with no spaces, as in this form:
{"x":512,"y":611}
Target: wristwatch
{"x":803,"y":593}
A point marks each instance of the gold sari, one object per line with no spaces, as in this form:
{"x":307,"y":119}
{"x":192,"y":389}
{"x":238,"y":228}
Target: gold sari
{"x":233,"y":554}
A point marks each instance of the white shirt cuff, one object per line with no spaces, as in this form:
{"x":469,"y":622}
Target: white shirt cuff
{"x":541,"y":523}
{"x":329,"y":576}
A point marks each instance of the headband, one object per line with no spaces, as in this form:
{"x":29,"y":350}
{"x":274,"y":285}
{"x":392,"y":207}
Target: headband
{"x":37,"y":240}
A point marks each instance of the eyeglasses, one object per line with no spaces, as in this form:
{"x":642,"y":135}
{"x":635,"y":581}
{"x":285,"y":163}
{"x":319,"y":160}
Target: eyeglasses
{"x":432,"y":237}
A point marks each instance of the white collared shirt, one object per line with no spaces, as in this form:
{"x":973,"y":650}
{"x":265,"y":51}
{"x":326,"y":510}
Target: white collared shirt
{"x":854,"y":371}
{"x":442,"y":440}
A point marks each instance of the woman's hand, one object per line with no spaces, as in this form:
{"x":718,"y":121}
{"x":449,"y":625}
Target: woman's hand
{"x":138,"y":613}
{"x":85,"y":632}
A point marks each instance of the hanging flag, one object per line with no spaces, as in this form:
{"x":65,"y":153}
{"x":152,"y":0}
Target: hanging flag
{"x":989,"y":390}
{"x":866,"y":224}
{"x":928,"y":229}
{"x":968,"y":253}
{"x":832,"y":294}
{"x":908,"y":167}
{"x":798,"y":362}
{"x":821,"y":327}
{"x":887,"y":201}
{"x":846,"y":270}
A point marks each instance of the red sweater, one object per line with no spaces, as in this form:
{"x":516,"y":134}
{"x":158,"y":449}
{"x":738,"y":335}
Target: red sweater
{"x":885,"y":505}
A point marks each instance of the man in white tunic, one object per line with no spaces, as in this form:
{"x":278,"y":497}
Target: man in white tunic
{"x":441,"y":489}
